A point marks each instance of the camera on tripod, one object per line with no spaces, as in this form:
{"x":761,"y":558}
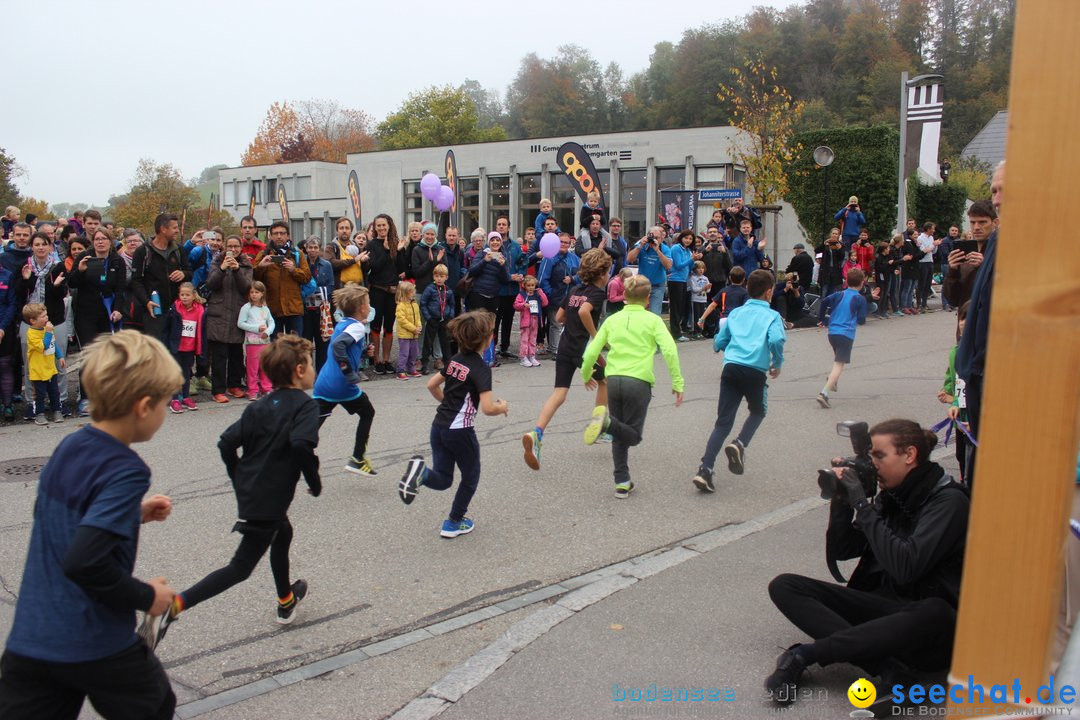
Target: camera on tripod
{"x":860,"y":462}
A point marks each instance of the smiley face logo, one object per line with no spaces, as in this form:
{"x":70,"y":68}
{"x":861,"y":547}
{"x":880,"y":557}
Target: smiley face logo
{"x":862,"y":693}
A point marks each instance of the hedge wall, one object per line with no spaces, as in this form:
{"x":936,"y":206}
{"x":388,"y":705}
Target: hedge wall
{"x":865,"y":165}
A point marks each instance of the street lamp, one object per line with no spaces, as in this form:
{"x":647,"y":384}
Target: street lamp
{"x":823,"y":158}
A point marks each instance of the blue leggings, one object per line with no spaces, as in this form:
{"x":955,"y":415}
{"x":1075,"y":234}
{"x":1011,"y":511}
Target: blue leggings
{"x":451,"y":447}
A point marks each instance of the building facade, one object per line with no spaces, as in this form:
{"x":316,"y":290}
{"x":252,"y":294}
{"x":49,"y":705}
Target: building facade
{"x":509,"y":178}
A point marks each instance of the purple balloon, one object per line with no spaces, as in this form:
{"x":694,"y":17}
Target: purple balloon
{"x":549,"y":245}
{"x":444,"y":198}
{"x":429,"y":186}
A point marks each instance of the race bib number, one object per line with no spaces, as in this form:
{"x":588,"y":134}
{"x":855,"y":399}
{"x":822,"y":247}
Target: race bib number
{"x":187,"y":329}
{"x":534,"y":307}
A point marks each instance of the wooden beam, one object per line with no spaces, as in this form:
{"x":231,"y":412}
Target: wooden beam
{"x":1013,"y":569}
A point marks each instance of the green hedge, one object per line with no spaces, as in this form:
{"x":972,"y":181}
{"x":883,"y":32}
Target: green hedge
{"x":941,"y":204}
{"x":865,"y":165}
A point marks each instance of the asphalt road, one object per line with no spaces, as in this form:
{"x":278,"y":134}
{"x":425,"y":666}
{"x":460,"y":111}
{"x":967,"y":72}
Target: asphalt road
{"x":379,"y":570}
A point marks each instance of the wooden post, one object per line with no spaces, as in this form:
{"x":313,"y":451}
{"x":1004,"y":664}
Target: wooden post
{"x":1009,"y":600}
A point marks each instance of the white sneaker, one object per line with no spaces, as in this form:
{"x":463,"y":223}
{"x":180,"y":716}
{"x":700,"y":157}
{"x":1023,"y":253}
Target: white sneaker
{"x":535,"y":362}
{"x":525,"y":362}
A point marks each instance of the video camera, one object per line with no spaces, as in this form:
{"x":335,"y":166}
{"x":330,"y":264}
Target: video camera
{"x":860,"y":462}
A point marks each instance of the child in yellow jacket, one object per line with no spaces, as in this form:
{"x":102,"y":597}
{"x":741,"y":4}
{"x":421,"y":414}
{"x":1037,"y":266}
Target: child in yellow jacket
{"x":408,"y":329}
{"x":42,"y":357}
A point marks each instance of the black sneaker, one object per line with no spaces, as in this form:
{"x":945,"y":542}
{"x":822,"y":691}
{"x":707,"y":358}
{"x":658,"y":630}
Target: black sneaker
{"x":287,"y":613}
{"x":410,"y":481}
{"x":735,"y":455}
{"x":783,"y":684}
{"x":823,"y":400}
{"x":380,"y":368}
{"x":508,"y":355}
{"x":703,"y":480}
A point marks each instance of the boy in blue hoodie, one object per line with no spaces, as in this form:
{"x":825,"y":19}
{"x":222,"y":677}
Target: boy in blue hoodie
{"x":846,"y":309}
{"x":753,"y":343}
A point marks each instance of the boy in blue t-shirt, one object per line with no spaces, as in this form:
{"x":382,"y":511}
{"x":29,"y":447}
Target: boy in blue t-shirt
{"x":846,"y":309}
{"x":74,"y":634}
{"x":339,"y":382}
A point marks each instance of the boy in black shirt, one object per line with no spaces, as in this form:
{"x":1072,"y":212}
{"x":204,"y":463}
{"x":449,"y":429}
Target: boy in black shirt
{"x":453,"y":439}
{"x":580,"y":312}
{"x":730,"y":296}
{"x":279,"y":434}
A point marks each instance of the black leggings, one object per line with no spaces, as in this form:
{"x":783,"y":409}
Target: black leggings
{"x":384,"y":304}
{"x":504,"y":321}
{"x":257,"y":538}
{"x":365,"y":413}
{"x":864,"y":628}
{"x":676,"y":306}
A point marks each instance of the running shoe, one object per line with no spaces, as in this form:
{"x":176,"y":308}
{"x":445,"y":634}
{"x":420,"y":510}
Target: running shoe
{"x":623,"y":489}
{"x":451,"y":529}
{"x":286,"y":613}
{"x":531,"y":442}
{"x":411,"y":480}
{"x":360,"y":467}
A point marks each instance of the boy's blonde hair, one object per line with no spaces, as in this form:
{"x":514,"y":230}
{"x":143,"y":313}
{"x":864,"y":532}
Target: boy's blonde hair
{"x":406,"y":292}
{"x":440,"y":269}
{"x":31,"y":311}
{"x":350,"y":298}
{"x":593,"y":195}
{"x":636,"y":289}
{"x":120,"y":369}
{"x":699,"y":265}
{"x":280,"y":358}
{"x":12,"y":209}
{"x":529,"y":279}
{"x":545,"y":200}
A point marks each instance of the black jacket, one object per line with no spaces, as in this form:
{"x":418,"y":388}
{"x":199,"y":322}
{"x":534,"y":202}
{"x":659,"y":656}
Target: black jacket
{"x":909,"y":541}
{"x":54,"y":294}
{"x":909,"y":269}
{"x":279,"y":435}
{"x":88,"y":307}
{"x":832,"y":267}
{"x":381,"y":270}
{"x":150,"y":270}
{"x":803,"y":264}
{"x":424,"y":259}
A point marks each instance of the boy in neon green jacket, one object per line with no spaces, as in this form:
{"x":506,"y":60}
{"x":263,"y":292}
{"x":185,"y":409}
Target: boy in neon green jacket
{"x":633,"y":336}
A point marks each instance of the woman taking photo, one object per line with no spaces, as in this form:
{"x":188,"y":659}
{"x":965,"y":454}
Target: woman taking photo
{"x":229,"y":282}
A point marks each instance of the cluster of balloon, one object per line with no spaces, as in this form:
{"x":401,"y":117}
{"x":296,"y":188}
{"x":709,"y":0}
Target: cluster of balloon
{"x":549,"y":245}
{"x":433,"y":189}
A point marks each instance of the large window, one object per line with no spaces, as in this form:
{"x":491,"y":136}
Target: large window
{"x":303,"y":188}
{"x":271,"y":190}
{"x":470,"y":205}
{"x":528,"y":202}
{"x":228,"y":194}
{"x":414,"y":203}
{"x":498,"y":198}
{"x":632,"y":203}
{"x":296,"y":230}
{"x":562,"y":202}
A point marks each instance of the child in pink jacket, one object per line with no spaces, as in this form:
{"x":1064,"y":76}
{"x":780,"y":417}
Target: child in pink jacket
{"x":530,"y":302}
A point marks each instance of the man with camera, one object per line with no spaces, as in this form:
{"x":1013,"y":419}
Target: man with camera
{"x":653,"y":259}
{"x":897,"y":613}
{"x":283,"y":269}
{"x":802,"y":264}
{"x":852,"y":220}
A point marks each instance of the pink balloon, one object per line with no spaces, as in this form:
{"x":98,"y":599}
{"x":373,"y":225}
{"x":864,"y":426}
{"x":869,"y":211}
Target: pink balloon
{"x":444,"y":198}
{"x":549,"y":245}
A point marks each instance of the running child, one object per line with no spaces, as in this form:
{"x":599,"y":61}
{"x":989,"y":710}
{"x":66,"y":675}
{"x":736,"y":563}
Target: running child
{"x":408,"y":326}
{"x":184,"y":329}
{"x":753,"y":343}
{"x":257,"y":323}
{"x":846,"y":309}
{"x":278,"y":436}
{"x":632,"y":336}
{"x":530,"y":303}
{"x":580,"y":312}
{"x":42,"y":357}
{"x":453,"y":438}
{"x":339,"y":380}
{"x":73,"y":635}
{"x":732,"y":295}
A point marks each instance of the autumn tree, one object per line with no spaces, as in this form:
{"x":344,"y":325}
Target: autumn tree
{"x":155,"y":187}
{"x":434,"y":117}
{"x":309,"y":130}
{"x":33,"y":206}
{"x":9,"y":170}
{"x":767,"y":115}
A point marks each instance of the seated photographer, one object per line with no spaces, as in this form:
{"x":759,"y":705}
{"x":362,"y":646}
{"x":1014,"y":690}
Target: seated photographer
{"x":897,"y":614}
{"x":788,"y":301}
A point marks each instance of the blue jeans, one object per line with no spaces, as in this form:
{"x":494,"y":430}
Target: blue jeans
{"x":907,"y":292}
{"x":656,"y":299}
{"x":451,"y":447}
{"x":289,"y":324}
{"x":737,"y":382}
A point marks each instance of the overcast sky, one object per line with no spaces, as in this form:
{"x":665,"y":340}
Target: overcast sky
{"x":97,"y":85}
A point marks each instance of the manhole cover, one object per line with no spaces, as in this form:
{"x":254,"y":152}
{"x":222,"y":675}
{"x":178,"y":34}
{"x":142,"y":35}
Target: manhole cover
{"x":21,"y":469}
